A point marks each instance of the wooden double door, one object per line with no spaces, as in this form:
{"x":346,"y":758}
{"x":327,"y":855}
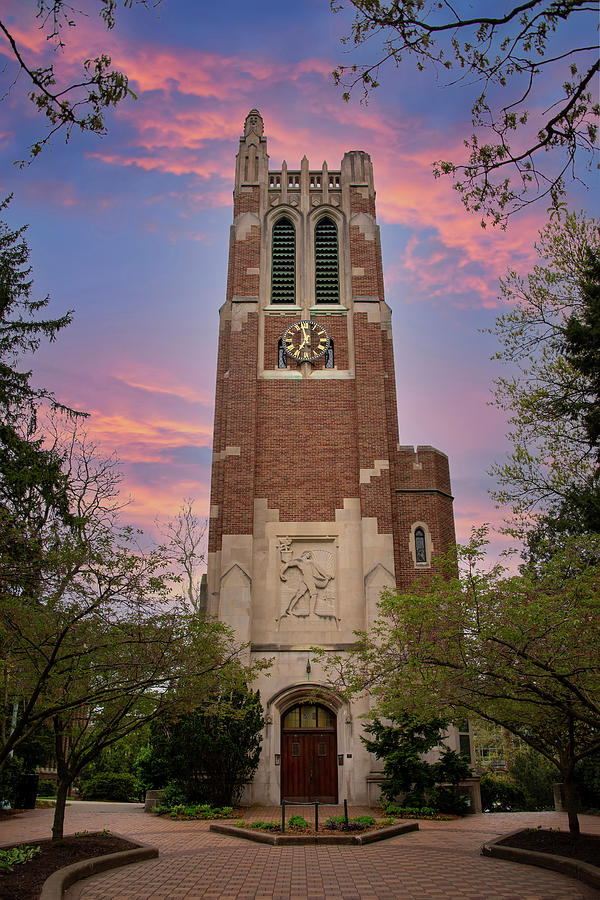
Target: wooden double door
{"x":309,"y":766}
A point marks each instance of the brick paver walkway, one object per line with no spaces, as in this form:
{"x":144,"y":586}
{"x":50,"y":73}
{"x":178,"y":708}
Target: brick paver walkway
{"x":438,"y":862}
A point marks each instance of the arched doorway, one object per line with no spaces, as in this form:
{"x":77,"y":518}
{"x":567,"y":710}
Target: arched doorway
{"x":309,"y":754}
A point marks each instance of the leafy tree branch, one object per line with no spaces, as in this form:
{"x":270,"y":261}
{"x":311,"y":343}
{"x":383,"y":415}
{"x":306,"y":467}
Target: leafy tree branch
{"x":516,"y":154}
{"x":83,"y":103}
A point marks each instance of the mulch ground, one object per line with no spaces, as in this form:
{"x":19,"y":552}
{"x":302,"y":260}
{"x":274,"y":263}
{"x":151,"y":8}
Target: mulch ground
{"x":585,"y":847}
{"x":26,"y":880}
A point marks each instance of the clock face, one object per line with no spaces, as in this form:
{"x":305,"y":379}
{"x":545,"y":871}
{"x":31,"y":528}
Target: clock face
{"x":305,"y":341}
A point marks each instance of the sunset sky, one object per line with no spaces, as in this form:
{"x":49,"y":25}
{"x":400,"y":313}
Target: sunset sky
{"x":131,"y":231}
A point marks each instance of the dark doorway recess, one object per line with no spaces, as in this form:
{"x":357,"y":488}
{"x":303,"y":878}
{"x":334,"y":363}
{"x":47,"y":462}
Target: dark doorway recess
{"x":309,"y":755}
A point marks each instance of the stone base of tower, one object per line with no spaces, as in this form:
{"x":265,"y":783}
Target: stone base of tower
{"x":304,"y":760}
{"x":342,"y":767}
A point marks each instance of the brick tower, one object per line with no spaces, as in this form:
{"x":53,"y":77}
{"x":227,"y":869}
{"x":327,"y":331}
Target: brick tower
{"x":315,"y":506}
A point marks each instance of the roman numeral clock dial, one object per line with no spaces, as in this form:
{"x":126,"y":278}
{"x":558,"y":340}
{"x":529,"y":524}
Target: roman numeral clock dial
{"x":305,"y":341}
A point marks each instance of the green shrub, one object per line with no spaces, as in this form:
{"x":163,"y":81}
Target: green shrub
{"x":448,"y":800}
{"x":534,"y":776}
{"x":112,"y":786}
{"x":499,"y":794}
{"x":406,"y":773}
{"x":195,"y":811}
{"x":409,"y":812}
{"x":16,"y":855}
{"x":209,"y":755}
{"x":297,"y":822}
{"x":266,"y":826}
{"x":172,"y":794}
{"x":364,"y":820}
{"x":587,"y":774}
{"x":9,"y":781}
{"x":46,"y":788}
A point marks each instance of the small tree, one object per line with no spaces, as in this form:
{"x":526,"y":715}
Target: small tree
{"x":209,"y":754}
{"x":185,"y":535}
{"x":402,"y":745}
{"x":548,"y":338}
{"x":520,"y":651}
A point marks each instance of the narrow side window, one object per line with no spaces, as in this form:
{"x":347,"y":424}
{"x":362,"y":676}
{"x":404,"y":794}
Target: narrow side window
{"x":420,"y":546}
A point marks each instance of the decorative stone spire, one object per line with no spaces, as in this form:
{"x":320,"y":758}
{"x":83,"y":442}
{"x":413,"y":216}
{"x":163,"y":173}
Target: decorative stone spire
{"x":252,"y":159}
{"x":254,"y":123}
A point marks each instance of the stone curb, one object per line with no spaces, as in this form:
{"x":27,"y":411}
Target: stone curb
{"x":57,"y":883}
{"x":582,"y":871}
{"x":281,"y":840}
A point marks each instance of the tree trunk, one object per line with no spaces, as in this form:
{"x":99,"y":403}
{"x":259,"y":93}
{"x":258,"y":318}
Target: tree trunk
{"x":65,"y":779}
{"x":571,"y":795}
{"x":571,"y":801}
{"x":59,"y":810}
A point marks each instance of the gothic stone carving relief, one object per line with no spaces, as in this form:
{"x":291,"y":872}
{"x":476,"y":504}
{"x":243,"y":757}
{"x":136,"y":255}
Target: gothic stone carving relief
{"x":307,"y":580}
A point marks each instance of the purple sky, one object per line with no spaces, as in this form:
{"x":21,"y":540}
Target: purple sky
{"x":132,"y":231}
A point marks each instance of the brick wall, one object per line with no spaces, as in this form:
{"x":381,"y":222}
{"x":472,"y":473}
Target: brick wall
{"x":303,"y":442}
{"x":306,"y":455}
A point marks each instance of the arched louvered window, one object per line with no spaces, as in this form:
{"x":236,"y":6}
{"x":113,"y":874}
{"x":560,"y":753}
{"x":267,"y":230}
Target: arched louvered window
{"x":327,"y":278}
{"x":283,"y":262}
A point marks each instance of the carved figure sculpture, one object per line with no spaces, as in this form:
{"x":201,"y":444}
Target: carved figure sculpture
{"x":311,"y":578}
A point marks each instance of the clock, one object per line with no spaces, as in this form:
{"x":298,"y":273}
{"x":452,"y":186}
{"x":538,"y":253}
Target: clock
{"x":305,"y":341}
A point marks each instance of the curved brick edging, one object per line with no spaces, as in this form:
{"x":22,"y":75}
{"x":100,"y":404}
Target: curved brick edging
{"x":572,"y":867}
{"x":280,"y":840}
{"x":57,"y":883}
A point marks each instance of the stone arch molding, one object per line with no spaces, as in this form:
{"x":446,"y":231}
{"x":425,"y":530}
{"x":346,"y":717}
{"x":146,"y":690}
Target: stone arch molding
{"x":379,"y":576}
{"x":319,"y":692}
{"x":233,"y":571}
{"x":376,"y":579}
{"x":234,"y":601}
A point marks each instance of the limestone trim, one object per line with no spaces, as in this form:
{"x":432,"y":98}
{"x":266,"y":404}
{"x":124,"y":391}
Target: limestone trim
{"x":370,"y":306}
{"x":378,"y":570}
{"x":299,"y":648}
{"x":366,"y":225}
{"x":334,"y":374}
{"x":294,"y":693}
{"x":231,"y":569}
{"x":278,"y":374}
{"x":243,"y":224}
{"x":220,"y":455}
{"x":240,"y":312}
{"x":323,"y":309}
{"x":379,"y":465}
{"x":281,"y":309}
